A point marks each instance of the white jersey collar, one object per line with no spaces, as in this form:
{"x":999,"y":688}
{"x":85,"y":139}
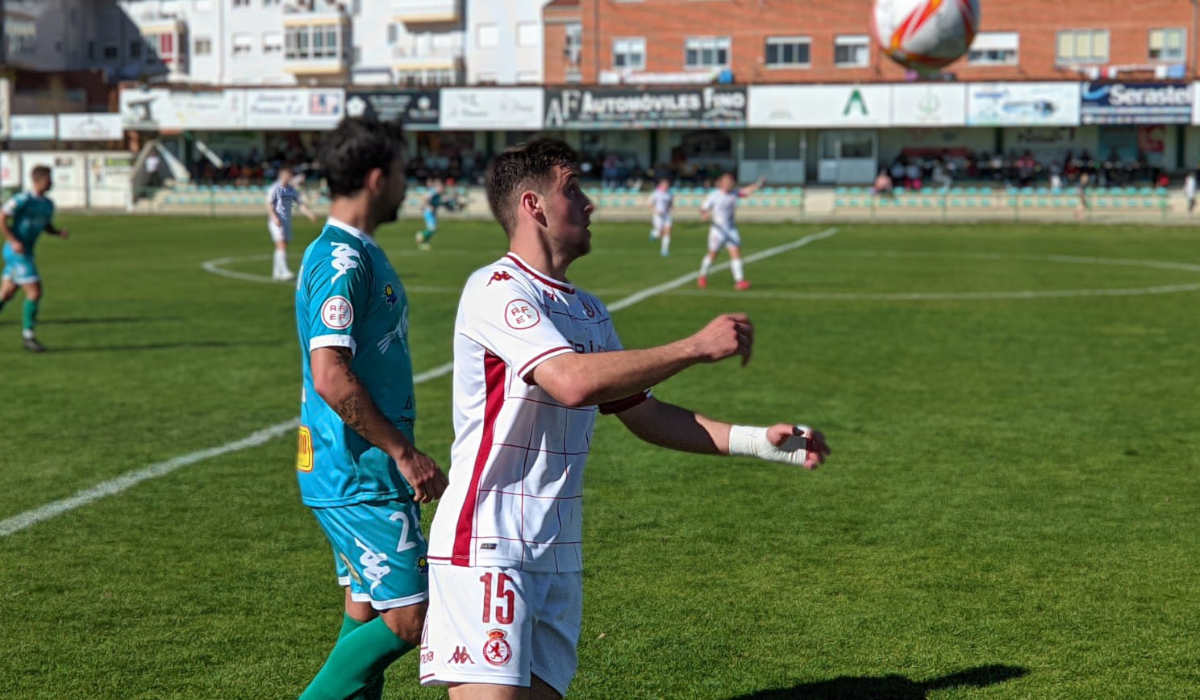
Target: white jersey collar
{"x":520,"y":262}
{"x":356,"y":232}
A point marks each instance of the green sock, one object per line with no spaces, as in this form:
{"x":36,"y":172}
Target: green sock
{"x":29,"y":314}
{"x":374,"y":689}
{"x":355,"y":661}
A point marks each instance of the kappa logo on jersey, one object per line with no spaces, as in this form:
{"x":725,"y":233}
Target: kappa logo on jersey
{"x":345,"y":259}
{"x":500,"y":276}
{"x":461,"y":656}
{"x":520,"y":314}
{"x":496,"y":650}
{"x":337,"y":313}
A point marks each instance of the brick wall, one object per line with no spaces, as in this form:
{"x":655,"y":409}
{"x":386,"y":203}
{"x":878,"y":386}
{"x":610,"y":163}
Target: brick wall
{"x":665,"y":24}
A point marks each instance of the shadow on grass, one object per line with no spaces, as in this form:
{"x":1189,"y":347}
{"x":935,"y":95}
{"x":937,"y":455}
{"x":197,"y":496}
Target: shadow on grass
{"x":893,"y":687}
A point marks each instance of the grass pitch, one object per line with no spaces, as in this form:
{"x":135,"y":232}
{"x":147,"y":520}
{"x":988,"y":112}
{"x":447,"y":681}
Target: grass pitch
{"x":1011,"y":508}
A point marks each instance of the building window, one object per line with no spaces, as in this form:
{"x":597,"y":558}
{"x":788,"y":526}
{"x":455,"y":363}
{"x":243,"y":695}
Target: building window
{"x":243,"y":44}
{"x":272,"y":42}
{"x":629,"y":53}
{"x":994,"y":49}
{"x":573,"y":47}
{"x":202,"y":46}
{"x":529,"y":34}
{"x":241,"y":3}
{"x":296,"y":43}
{"x":706,"y":52}
{"x":135,"y":49}
{"x":1167,"y":44}
{"x":488,"y":36}
{"x":1083,"y":46}
{"x":111,"y":51}
{"x":393,"y":33}
{"x":788,"y":51}
{"x":851,"y":51}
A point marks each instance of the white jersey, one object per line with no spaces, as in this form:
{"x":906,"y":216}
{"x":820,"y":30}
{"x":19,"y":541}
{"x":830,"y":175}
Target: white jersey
{"x":662,"y":201}
{"x":281,"y":198}
{"x":516,"y":474}
{"x":722,"y":205}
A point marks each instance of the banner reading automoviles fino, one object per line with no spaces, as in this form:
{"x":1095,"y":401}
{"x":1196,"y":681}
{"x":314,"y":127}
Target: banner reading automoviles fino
{"x":707,"y":106}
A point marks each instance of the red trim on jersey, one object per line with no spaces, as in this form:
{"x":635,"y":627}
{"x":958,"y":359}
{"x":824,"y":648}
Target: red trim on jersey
{"x":539,"y":276}
{"x":623,"y":404}
{"x":493,"y":373}
{"x":540,"y":355}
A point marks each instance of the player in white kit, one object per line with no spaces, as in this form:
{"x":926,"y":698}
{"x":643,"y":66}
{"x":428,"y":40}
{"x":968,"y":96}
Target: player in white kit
{"x":661,"y":201}
{"x":281,"y":197}
{"x":534,"y":358}
{"x":719,"y":208}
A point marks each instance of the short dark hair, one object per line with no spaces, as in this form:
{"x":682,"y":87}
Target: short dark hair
{"x":40,"y":171}
{"x":523,"y":165}
{"x":356,"y":147}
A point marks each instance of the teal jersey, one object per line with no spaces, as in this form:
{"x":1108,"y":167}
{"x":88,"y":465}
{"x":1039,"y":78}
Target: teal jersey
{"x":30,"y":215}
{"x":435,"y":201}
{"x":349,"y":296}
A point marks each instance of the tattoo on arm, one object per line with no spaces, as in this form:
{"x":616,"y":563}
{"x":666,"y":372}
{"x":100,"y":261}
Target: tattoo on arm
{"x":350,"y":408}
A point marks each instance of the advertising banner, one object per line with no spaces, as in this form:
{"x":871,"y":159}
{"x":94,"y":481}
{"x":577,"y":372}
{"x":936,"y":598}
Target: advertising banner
{"x":417,"y":109}
{"x":1023,"y":104}
{"x":1140,"y":103}
{"x":110,"y":179}
{"x":89,"y":127}
{"x":175,"y":110}
{"x":316,"y":108}
{"x":929,"y":105}
{"x":32,"y":127}
{"x":837,"y":106}
{"x":518,"y":109}
{"x":10,"y":169}
{"x":5,"y":106}
{"x":708,"y":106}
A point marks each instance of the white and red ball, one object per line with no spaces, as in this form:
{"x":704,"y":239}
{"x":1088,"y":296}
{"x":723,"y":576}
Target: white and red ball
{"x":925,"y":35}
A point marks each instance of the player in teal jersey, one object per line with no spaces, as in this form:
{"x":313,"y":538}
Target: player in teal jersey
{"x":357,"y":466}
{"x":25,"y":217}
{"x":436,"y":198}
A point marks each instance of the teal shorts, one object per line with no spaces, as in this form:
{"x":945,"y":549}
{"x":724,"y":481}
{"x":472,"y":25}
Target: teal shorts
{"x":19,"y":267}
{"x":378,"y":551}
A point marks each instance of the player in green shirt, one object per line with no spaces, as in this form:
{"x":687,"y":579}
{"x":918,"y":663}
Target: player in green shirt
{"x":25,"y":216}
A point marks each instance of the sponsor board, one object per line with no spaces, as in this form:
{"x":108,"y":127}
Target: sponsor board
{"x":1141,"y":103}
{"x":89,"y":127}
{"x":929,"y":105}
{"x":709,"y":106}
{"x":32,"y":127}
{"x":299,"y":108}
{"x":415,"y":108}
{"x":819,"y":105}
{"x":1023,"y":104}
{"x":176,"y":110}
{"x":491,"y":108}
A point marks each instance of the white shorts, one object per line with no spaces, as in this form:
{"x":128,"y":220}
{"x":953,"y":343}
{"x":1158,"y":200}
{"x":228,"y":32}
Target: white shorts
{"x":719,"y":237}
{"x":279,"y":234}
{"x":661,"y":221}
{"x":495,"y":625}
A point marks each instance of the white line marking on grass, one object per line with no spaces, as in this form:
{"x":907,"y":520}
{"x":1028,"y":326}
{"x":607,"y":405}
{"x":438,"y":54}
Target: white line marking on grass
{"x":217,"y":267}
{"x":118,"y":484}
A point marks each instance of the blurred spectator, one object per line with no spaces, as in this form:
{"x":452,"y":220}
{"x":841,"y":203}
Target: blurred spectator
{"x":1189,"y":190}
{"x":883,"y":184}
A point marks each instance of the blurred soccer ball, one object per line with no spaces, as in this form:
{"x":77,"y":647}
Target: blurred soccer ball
{"x":925,"y":35}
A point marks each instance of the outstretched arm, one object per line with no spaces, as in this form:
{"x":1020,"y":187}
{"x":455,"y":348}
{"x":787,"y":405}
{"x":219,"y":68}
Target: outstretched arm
{"x":586,"y":379}
{"x":752,"y":188}
{"x":55,"y":231}
{"x":677,"y":428}
{"x":337,"y":384}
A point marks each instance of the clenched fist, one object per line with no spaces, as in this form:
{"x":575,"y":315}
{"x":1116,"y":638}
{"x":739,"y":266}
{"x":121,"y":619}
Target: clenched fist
{"x":725,"y":336}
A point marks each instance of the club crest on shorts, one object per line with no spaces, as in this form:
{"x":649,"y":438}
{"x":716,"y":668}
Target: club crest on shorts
{"x":337,"y":313}
{"x":520,"y":314}
{"x":496,"y":650}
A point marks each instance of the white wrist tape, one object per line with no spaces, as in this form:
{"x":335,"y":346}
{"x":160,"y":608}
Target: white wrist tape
{"x":751,"y":441}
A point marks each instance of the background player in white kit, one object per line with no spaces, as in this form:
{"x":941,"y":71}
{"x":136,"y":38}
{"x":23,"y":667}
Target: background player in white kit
{"x":533,"y":359}
{"x":719,"y":208}
{"x":661,"y":201}
{"x":281,"y":197}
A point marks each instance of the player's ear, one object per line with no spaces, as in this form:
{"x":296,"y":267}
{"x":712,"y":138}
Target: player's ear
{"x":531,"y":203}
{"x":374,"y":180}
